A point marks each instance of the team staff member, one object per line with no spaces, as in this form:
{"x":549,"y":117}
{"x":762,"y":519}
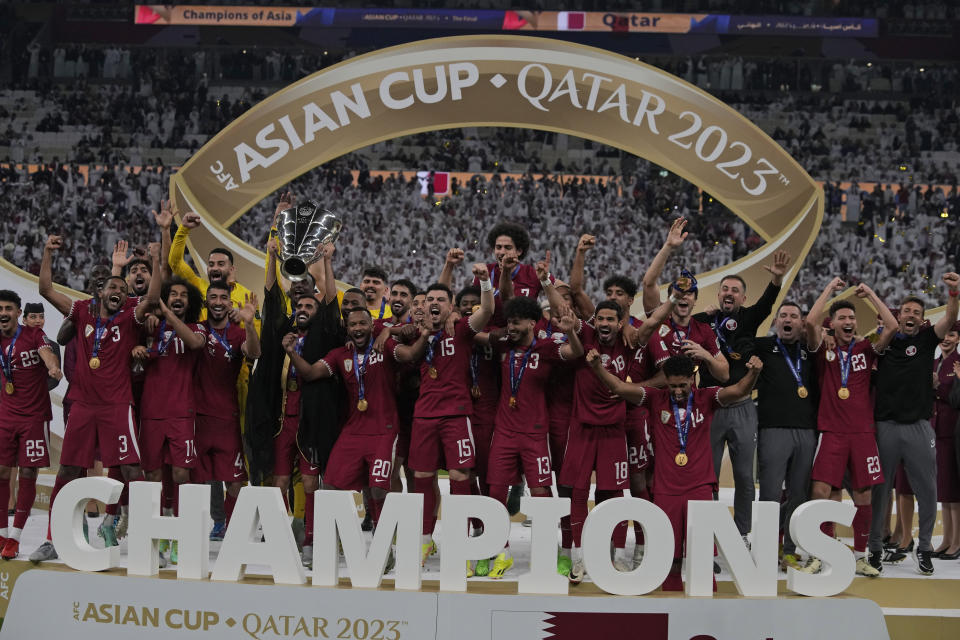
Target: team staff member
{"x":787,"y":413}
{"x":904,"y":406}
{"x":680,"y":426}
{"x":946,"y":418}
{"x":26,"y":362}
{"x":845,"y":417}
{"x":101,"y":422}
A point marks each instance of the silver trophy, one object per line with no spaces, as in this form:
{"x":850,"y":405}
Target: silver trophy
{"x":301,"y":231}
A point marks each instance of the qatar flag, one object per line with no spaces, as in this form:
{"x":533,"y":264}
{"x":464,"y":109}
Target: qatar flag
{"x":437,"y":182}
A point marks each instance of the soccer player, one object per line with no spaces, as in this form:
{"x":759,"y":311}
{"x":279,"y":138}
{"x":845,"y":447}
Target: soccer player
{"x":137,"y":267}
{"x":845,"y":416}
{"x":168,"y":405}
{"x":787,"y":413}
{"x":680,"y":429}
{"x":948,"y":475}
{"x":681,"y":334}
{"x":735,"y":426}
{"x":26,"y":361}
{"x":597,"y":442}
{"x":230,"y":337}
{"x":374,"y":287}
{"x":101,"y":415}
{"x":441,"y":421}
{"x":402,"y":293}
{"x":520,"y":436}
{"x":904,"y":406}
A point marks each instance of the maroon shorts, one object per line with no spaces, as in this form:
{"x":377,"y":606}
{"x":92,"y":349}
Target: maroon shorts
{"x":286,"y":451}
{"x":638,"y":445}
{"x":107,"y":430}
{"x":948,"y":477}
{"x":902,"y":484}
{"x":359,"y":461}
{"x":838,"y":452}
{"x":25,"y":444}
{"x":219,"y":450}
{"x":483,"y":438}
{"x":437,"y":439}
{"x":559,"y":430}
{"x":676,"y":509}
{"x":514,"y":453}
{"x":167,"y":441}
{"x":600,"y":448}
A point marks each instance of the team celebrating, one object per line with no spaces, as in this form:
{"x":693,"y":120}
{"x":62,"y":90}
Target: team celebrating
{"x":517,"y":378}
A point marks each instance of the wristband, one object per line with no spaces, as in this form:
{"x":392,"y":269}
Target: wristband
{"x":486,"y":285}
{"x":954,"y":294}
{"x":546,"y":281}
{"x":674,"y":299}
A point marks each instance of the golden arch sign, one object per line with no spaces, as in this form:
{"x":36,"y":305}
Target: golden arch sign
{"x":514,"y":81}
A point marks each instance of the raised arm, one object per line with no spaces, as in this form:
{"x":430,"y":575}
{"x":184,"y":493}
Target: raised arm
{"x":305,"y":370}
{"x":481,"y":316}
{"x":543,"y":275}
{"x":889,"y":321}
{"x":651,"y":291}
{"x":191,"y":339}
{"x":655,"y":319}
{"x":120,"y":259}
{"x":152,"y":299}
{"x":627,"y":390}
{"x":270,"y":275}
{"x":454,"y":260}
{"x":952,"y":280}
{"x":506,"y":282}
{"x":815,"y":315}
{"x":744,"y":385}
{"x":330,"y":281}
{"x":246,"y":314}
{"x":572,"y":348}
{"x":580,"y":298}
{"x":164,"y":219}
{"x":177,"y":247}
{"x":61,"y":302}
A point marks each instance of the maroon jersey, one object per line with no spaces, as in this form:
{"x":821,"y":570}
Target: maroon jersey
{"x":30,"y":400}
{"x":944,"y":415}
{"x":525,"y":284}
{"x":593,"y":401}
{"x":485,"y":375}
{"x":530,"y":415}
{"x":670,"y":336}
{"x":669,"y":477}
{"x":110,"y":382}
{"x":447,"y":394}
{"x":168,"y":383}
{"x":218,"y":369}
{"x":640,"y":369}
{"x":379,"y":384}
{"x":855,"y":414}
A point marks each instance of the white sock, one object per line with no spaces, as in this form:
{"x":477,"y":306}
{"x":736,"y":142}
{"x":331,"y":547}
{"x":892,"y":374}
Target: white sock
{"x":576,"y":554}
{"x":15,"y":533}
{"x":124,"y":509}
{"x":622,"y":554}
{"x":426,"y":539}
{"x":565,"y":552}
{"x":168,"y":511}
{"x":859,"y":554}
{"x":3,"y":533}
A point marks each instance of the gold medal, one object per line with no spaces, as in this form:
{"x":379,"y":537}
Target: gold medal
{"x":292,"y":385}
{"x":94,"y":362}
{"x":735,"y":355}
{"x":681,"y":459}
{"x":475,"y":392}
{"x":513,"y":402}
{"x":432,"y":372}
{"x":802,"y":391}
{"x":843,"y":393}
{"x":362,"y":404}
{"x":9,"y":388}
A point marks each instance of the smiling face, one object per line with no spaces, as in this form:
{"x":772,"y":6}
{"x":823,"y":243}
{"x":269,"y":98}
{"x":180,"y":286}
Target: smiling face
{"x":608,"y":326}
{"x":731,"y":295}
{"x":374,"y":289}
{"x":219,"y":267}
{"x":504,"y":246}
{"x":438,"y":307}
{"x":844,"y":325}
{"x":359,"y":327}
{"x":351,"y":301}
{"x":911,"y":318}
{"x":467,"y":302}
{"x":306,"y":309}
{"x":949,"y":343}
{"x":138,"y":279}
{"x":683,"y":309}
{"x":178,"y":300}
{"x":34,"y":320}
{"x":679,"y":387}
{"x":218,"y":304}
{"x":419,"y":308}
{"x":400,"y":300}
{"x":113,"y":295}
{"x":520,"y":330}
{"x":9,"y":315}
{"x":789,"y":323}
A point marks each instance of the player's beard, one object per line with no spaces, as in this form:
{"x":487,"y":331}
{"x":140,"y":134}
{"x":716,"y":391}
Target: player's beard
{"x":303,"y":321}
{"x":113,"y":302}
{"x":215,"y":274}
{"x":728,"y":304}
{"x":179,"y":308}
{"x":6,"y":323}
{"x":608,"y":338}
{"x":217,"y":316}
{"x":360,"y":339}
{"x":399,"y":309}
{"x":140,"y":286}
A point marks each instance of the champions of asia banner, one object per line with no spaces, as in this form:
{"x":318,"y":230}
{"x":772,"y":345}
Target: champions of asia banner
{"x":513,"y":81}
{"x":467,"y":19}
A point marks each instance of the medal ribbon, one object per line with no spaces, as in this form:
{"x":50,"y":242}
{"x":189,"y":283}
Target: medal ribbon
{"x":474,"y":367}
{"x":161,"y":346}
{"x":430,"y":345}
{"x":298,"y":349}
{"x":794,"y":368}
{"x":7,"y":361}
{"x":360,"y":368}
{"x":494,"y":279}
{"x":844,"y":364}
{"x":683,"y":428}
{"x":222,"y":339}
{"x":99,"y":331}
{"x":383,"y":305}
{"x":718,"y":329}
{"x":517,"y":376}
{"x":678,"y":334}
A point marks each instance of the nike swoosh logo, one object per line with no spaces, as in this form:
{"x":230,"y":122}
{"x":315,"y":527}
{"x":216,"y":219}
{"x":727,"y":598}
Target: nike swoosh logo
{"x":542,"y":480}
{"x":35,"y":460}
{"x":237,"y":475}
{"x":875,"y":478}
{"x":189,"y":461}
{"x":122,"y":458}
{"x":463,"y":461}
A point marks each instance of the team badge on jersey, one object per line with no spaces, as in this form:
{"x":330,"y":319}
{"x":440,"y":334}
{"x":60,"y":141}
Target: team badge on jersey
{"x":348,"y":365}
{"x":831,"y":356}
{"x":87,"y":330}
{"x":542,"y":335}
{"x":605,"y":360}
{"x":911,"y":350}
{"x":664,"y":330}
{"x":664,"y":417}
{"x":730,"y":325}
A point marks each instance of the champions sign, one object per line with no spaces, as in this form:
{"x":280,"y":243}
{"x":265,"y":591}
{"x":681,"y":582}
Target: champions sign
{"x":512,"y":81}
